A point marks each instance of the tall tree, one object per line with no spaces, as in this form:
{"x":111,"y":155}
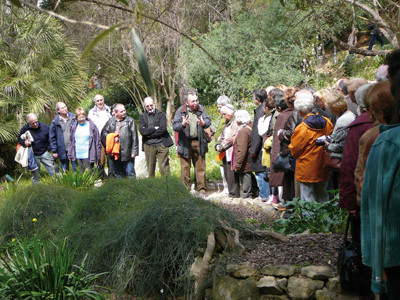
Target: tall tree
{"x":38,"y":67}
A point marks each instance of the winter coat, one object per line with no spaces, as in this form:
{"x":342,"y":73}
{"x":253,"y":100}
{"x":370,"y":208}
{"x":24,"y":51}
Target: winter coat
{"x":149,"y":132}
{"x":225,"y":140}
{"x":184,"y":132}
{"x":256,"y":144}
{"x":339,"y":134}
{"x":56,"y":136}
{"x":94,"y":143}
{"x":40,"y":136}
{"x":242,"y":144}
{"x":348,"y":193}
{"x":310,"y":157}
{"x":364,"y":146}
{"x":380,"y":205}
{"x":276,"y":178}
{"x":128,"y":136}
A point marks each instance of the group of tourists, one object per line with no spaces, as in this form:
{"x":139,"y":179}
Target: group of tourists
{"x":299,"y":143}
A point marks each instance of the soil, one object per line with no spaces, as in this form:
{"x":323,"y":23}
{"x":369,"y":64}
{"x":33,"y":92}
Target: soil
{"x":301,"y":250}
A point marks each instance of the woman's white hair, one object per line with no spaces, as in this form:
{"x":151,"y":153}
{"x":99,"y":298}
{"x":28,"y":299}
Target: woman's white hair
{"x":228,"y":108}
{"x":224,"y":100}
{"x":242,"y":117}
{"x":361,"y":94}
{"x":304,"y":102}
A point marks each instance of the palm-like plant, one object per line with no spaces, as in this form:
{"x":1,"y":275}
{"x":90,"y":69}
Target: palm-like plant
{"x":38,"y":67}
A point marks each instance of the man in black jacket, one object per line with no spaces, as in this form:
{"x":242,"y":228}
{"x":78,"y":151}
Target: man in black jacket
{"x":126,"y":129}
{"x":40,"y":145}
{"x":156,"y":139}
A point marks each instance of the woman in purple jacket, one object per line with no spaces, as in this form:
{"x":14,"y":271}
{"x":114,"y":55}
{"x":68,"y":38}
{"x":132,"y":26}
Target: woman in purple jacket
{"x":84,"y":145}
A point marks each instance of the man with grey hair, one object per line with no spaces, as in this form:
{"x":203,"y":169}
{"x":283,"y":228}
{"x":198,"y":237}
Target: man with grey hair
{"x":40,"y":145}
{"x":59,"y":135}
{"x":125,"y":133}
{"x":100,"y":114}
{"x":190,"y":121}
{"x":155,"y":137}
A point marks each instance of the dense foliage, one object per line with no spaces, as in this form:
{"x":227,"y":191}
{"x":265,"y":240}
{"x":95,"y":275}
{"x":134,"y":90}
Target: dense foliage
{"x":144,"y":233}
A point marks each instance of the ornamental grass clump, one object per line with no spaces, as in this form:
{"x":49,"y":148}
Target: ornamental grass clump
{"x":33,"y":270}
{"x":145,"y":233}
{"x":46,"y":204}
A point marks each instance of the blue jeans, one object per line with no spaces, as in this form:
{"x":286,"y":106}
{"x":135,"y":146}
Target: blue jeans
{"x":47,"y":160}
{"x":65,"y":164}
{"x":263,"y":186}
{"x":124,"y":168}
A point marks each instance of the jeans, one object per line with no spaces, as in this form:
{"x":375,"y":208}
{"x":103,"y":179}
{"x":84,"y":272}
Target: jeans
{"x":32,"y":165}
{"x":47,"y":160}
{"x":375,"y":37}
{"x":124,"y":168}
{"x":65,"y":164}
{"x":263,"y":186}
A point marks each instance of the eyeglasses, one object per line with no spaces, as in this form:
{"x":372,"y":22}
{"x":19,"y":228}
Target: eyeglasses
{"x":98,"y":100}
{"x":35,"y":122}
{"x":150,"y":105}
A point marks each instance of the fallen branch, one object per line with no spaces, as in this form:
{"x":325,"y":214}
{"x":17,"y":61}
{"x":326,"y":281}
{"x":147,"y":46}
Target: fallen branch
{"x":269,"y":233}
{"x":206,"y":264}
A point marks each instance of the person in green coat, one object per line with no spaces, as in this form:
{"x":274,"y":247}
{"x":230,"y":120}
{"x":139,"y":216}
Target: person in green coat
{"x":380,"y":206}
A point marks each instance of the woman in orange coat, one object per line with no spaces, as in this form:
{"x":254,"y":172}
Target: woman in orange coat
{"x":311,"y":174}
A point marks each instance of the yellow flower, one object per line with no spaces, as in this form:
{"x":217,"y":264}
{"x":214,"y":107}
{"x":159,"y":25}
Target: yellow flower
{"x":34,"y":220}
{"x":13,"y":240}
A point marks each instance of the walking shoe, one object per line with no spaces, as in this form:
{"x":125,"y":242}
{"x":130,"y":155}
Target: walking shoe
{"x":278,"y":206}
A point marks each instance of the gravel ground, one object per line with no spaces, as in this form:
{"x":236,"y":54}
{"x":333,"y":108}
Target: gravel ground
{"x":301,"y":250}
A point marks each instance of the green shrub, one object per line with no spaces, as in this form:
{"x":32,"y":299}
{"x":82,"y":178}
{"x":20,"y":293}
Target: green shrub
{"x":35,"y":209}
{"x":36,"y":271}
{"x":313,"y":216}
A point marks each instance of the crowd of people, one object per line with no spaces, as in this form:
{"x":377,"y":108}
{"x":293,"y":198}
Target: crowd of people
{"x":300,"y":143}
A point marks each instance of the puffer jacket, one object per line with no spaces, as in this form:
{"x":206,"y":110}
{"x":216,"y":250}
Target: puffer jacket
{"x":339,"y":134}
{"x":128,"y":136}
{"x":184,"y":132}
{"x":310,"y":157}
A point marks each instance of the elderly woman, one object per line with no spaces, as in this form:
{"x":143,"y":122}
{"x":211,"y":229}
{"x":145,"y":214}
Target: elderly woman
{"x":221,"y":101}
{"x":276,"y":177}
{"x":290,"y":119}
{"x":241,"y":154}
{"x":348,"y":193}
{"x":311,"y":174}
{"x":84,"y":146}
{"x":224,"y":144}
{"x":321,"y":106}
{"x":338,"y":105}
{"x":380,"y":204}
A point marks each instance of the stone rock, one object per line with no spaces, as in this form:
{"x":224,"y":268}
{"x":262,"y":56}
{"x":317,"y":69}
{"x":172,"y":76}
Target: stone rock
{"x":241,"y":271}
{"x":303,"y":288}
{"x":325,"y":294}
{"x":196,"y":268}
{"x":274,"y":297}
{"x":333,"y":285}
{"x":278,"y":270}
{"x":229,"y":288}
{"x":282,"y":283}
{"x":268,"y":285}
{"x":317,"y":272}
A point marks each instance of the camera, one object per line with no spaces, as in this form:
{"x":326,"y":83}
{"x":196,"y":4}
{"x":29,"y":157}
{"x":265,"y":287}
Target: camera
{"x":321,"y":140}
